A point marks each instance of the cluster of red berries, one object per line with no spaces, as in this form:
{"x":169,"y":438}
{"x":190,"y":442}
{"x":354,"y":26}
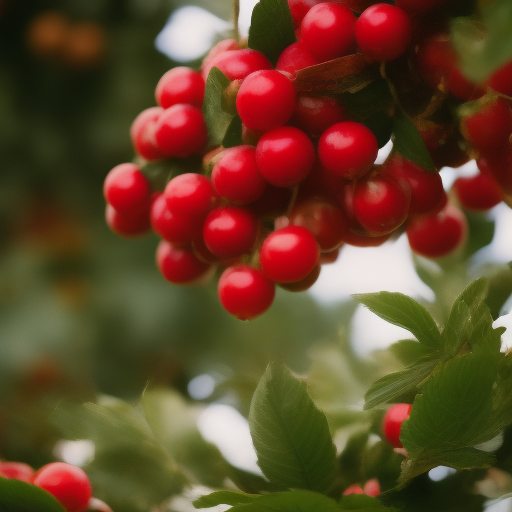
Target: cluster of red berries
{"x":67,"y":483}
{"x":304,"y":181}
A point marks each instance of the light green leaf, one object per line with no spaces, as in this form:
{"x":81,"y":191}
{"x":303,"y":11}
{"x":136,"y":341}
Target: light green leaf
{"x":290,"y":435}
{"x":224,"y":498}
{"x":18,"y":496}
{"x":408,"y":351}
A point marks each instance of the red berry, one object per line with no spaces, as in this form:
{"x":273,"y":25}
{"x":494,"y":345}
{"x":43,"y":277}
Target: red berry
{"x":326,"y":258}
{"x":179,"y":265}
{"x":226,"y":45}
{"x":230,"y":231}
{"x":305,"y":283}
{"x":380,"y":204}
{"x":266,"y":100}
{"x":435,"y":59}
{"x":181,"y":131}
{"x":479,"y":192}
{"x":324,"y":219}
{"x":245,"y":292}
{"x":127,"y":224}
{"x":501,"y":80}
{"x":383,"y":32}
{"x":285,"y":156}
{"x":353,"y":489}
{"x":142,"y":134}
{"x":236,"y":176}
{"x":392,"y":423}
{"x":437,"y":235}
{"x":499,"y":166}
{"x":273,"y":202}
{"x":17,"y":471}
{"x":328,"y":31}
{"x":348,"y":149}
{"x":180,"y":85}
{"x":462,"y":88}
{"x":299,"y":9}
{"x":69,"y":484}
{"x":289,"y":254}
{"x":314,"y":114}
{"x":372,"y":487}
{"x":190,"y":195}
{"x":295,"y":57}
{"x":365,"y":240}
{"x":127,"y":189}
{"x":238,"y":64}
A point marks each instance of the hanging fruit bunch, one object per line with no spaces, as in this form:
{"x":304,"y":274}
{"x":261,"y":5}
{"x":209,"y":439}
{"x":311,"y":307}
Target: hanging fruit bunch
{"x":263,"y":162}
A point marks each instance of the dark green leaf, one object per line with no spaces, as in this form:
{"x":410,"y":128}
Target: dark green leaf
{"x":251,"y":483}
{"x":217,"y":119}
{"x":224,"y":498}
{"x":271,"y":28}
{"x":405,"y":312}
{"x":369,"y":101}
{"x":351,"y":460}
{"x":408,"y":351}
{"x":290,"y":434}
{"x":481,"y":232}
{"x":363,"y":503}
{"x":408,"y":142}
{"x":17,"y":496}
{"x":233,"y":136}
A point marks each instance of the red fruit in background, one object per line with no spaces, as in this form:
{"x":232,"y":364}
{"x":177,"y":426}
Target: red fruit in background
{"x":245,"y":292}
{"x":303,"y":284}
{"x":353,"y":489}
{"x":348,"y":149}
{"x":326,"y":258}
{"x":230,"y":231}
{"x":180,"y":85}
{"x":372,"y":487}
{"x":265,"y":100}
{"x":142,"y":134}
{"x":499,"y":166}
{"x":380,"y":204}
{"x":295,"y":57}
{"x":237,"y":64}
{"x":181,"y":131}
{"x":437,"y":235}
{"x":299,"y":9}
{"x":326,"y":221}
{"x":236,"y":176}
{"x":17,"y":471}
{"x":328,"y":31}
{"x":289,"y":254}
{"x":501,"y":80}
{"x":69,"y":484}
{"x":392,"y":423}
{"x":273,"y":202}
{"x":365,"y":240}
{"x":127,"y":224}
{"x":179,"y":265}
{"x":462,"y":88}
{"x":314,"y":114}
{"x":435,"y":59}
{"x":479,"y":192}
{"x":285,"y":156}
{"x":383,"y":32}
{"x":127,"y":189}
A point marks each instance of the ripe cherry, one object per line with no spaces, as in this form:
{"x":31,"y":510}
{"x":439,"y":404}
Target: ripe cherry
{"x":285,"y":156}
{"x":299,"y":9}
{"x":479,"y":192}
{"x":180,"y":85}
{"x":328,"y":31}
{"x":245,"y":292}
{"x":383,"y":32}
{"x":17,"y":471}
{"x":295,"y":57}
{"x":266,"y":100}
{"x":179,"y":265}
{"x":392,"y":423}
{"x":348,"y":149}
{"x":314,"y":114}
{"x":237,"y":64}
{"x":142,"y":134}
{"x":127,"y":224}
{"x":501,"y":80}
{"x":69,"y":484}
{"x":289,"y":254}
{"x":305,"y":283}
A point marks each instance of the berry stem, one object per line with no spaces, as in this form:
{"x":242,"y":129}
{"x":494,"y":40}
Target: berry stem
{"x":295,"y":193}
{"x":236,"y":14}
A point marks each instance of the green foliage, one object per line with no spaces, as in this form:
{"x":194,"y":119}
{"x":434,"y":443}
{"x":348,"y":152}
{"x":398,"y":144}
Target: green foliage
{"x":224,"y":498}
{"x":17,"y":496}
{"x":290,"y":434}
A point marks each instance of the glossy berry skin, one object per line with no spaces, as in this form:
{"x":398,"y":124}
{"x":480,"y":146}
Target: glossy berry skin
{"x":181,"y":131}
{"x":383,"y":32}
{"x":190,"y":195}
{"x":238,"y":64}
{"x":179,"y":265}
{"x":392,"y":423}
{"x":437,"y":235}
{"x":328,"y":31}
{"x":285,"y":156}
{"x":326,"y":221}
{"x":380,"y":204}
{"x":226,"y":45}
{"x":289,"y":254}
{"x":17,"y":471}
{"x":127,"y":189}
{"x":479,"y":192}
{"x":230,"y":231}
{"x":236,"y":176}
{"x":69,"y":484}
{"x":348,"y":149}
{"x":294,"y":58}
{"x":127,"y":224}
{"x":245,"y":292}
{"x":265,"y":100}
{"x":314,"y":114}
{"x":180,"y":85}
{"x":299,"y":9}
{"x":142,"y":134}
{"x":501,"y":80}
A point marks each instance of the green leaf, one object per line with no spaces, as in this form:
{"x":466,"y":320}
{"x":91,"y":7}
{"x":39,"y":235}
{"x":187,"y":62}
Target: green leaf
{"x":408,"y":351}
{"x":271,"y":28}
{"x":395,"y":385}
{"x":479,"y":55}
{"x":405,"y":312}
{"x":18,"y":496}
{"x":290,"y":435}
{"x":481,"y":232}
{"x":233,"y":136}
{"x":373,"y":99}
{"x":408,"y":142}
{"x":224,"y":498}
{"x":216,"y":117}
{"x":500,"y":289}
{"x":363,"y":503}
